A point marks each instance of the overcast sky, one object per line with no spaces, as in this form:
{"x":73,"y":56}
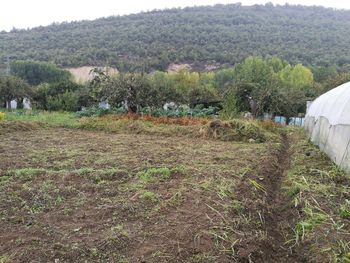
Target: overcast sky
{"x":31,"y":13}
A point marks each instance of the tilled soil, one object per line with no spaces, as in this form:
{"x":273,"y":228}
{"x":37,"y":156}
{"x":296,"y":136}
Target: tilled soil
{"x":79,"y":196}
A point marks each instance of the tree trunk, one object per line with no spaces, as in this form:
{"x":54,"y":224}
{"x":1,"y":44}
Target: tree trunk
{"x":132,"y":108}
{"x":20,"y":103}
{"x":253,"y":107}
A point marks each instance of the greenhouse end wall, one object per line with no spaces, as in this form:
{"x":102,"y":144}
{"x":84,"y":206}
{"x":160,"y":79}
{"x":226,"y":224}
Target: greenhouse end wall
{"x":334,"y":140}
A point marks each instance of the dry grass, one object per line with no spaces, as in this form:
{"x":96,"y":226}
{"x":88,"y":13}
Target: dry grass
{"x":161,"y":193}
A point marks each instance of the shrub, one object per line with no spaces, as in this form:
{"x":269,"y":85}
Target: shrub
{"x":68,"y":101}
{"x":2,"y":116}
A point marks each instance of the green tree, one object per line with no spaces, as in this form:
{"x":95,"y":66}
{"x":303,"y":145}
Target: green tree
{"x":59,"y":96}
{"x":39,"y":72}
{"x":230,"y":107}
{"x":13,"y":88}
{"x":133,"y":89}
{"x":296,"y":76}
{"x":224,"y":78}
{"x":253,"y":85}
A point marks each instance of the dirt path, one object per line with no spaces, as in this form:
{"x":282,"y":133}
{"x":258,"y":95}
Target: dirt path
{"x":272,"y":208}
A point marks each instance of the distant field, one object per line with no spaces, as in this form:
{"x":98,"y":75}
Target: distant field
{"x":73,"y":195}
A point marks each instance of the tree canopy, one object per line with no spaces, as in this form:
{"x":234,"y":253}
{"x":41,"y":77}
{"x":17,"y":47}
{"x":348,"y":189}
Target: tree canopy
{"x":35,"y":72}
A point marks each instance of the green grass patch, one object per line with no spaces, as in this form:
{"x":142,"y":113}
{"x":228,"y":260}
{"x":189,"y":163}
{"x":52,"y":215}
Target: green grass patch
{"x":56,"y":119}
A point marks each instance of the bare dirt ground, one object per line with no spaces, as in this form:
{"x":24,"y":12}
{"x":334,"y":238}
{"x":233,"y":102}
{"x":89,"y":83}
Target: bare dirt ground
{"x":81,"y":196}
{"x":74,"y":195}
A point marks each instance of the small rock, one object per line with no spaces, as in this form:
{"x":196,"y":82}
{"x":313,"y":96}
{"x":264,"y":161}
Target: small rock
{"x":251,"y":140}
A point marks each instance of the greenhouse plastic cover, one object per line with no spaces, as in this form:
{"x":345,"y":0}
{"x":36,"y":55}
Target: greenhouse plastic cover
{"x":333,"y":105}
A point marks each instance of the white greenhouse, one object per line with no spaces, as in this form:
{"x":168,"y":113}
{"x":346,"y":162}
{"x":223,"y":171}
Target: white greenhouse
{"x":328,"y":123}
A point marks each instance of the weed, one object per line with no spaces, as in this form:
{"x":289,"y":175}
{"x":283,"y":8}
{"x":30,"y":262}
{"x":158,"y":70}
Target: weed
{"x":307,"y":225}
{"x":342,"y":252}
{"x":155,"y":174}
{"x":149,"y":196}
{"x":5,"y":259}
{"x":344,"y":210}
{"x":94,"y":252}
{"x":85,"y":171}
{"x":120,"y":231}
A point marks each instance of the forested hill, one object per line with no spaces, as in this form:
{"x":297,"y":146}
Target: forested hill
{"x":222,"y":34}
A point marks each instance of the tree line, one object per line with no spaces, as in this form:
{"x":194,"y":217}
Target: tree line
{"x":256,"y":85}
{"x":220,"y":34}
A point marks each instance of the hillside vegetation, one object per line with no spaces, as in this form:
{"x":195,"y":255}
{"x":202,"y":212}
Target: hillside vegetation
{"x":215,"y":35}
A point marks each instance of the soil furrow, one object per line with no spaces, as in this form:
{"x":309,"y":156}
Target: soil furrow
{"x":272,"y":208}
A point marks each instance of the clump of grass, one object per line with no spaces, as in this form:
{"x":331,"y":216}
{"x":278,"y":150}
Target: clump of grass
{"x":312,"y":219}
{"x":222,"y":187}
{"x":148,"y":195}
{"x":344,"y":210}
{"x":159,"y":174}
{"x":120,"y":231}
{"x":155,"y":174}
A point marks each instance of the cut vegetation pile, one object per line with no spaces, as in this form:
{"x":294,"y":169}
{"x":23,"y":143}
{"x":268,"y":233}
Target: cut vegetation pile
{"x":234,"y":130}
{"x":237,"y":130}
{"x":10,"y":126}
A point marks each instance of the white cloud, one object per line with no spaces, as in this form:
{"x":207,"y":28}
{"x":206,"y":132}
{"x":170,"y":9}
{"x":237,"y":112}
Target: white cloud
{"x":31,"y":13}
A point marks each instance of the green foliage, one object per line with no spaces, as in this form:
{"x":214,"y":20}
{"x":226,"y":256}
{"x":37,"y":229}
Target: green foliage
{"x":344,"y":210}
{"x":12,"y":87}
{"x":59,"y":96}
{"x":334,"y":81}
{"x":131,"y":88}
{"x":181,"y":111}
{"x":39,"y":72}
{"x":271,"y":85}
{"x":56,"y":119}
{"x":230,"y":108}
{"x":98,"y":112}
{"x":155,"y":174}
{"x":297,"y":76}
{"x":148,"y":195}
{"x":307,"y":225}
{"x":224,"y":34}
{"x":322,"y":73}
{"x":68,"y":101}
